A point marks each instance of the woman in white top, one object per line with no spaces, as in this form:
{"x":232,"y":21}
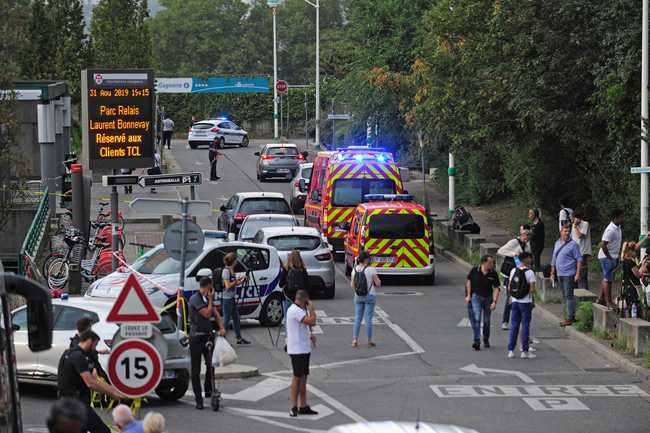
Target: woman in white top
{"x":364,"y":305}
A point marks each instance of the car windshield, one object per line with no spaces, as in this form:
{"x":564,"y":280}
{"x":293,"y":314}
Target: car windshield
{"x":282,"y":151}
{"x":264,"y":205}
{"x":396,"y":226}
{"x":251,"y":227}
{"x":295,"y":242}
{"x":306,"y":173}
{"x":350,"y":192}
{"x":157,"y":262}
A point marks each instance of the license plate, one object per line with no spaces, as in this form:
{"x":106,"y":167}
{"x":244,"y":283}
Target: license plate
{"x":282,"y":170}
{"x":169,"y":374}
{"x":383,"y":259}
{"x":199,"y":133}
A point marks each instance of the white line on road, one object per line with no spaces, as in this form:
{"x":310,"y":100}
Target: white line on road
{"x":258,"y":391}
{"x":287,"y":426}
{"x":323,"y":411}
{"x":399,"y":331}
{"x":473,"y":368}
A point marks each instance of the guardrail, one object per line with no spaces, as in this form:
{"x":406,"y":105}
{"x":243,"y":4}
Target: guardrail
{"x":35,"y":234}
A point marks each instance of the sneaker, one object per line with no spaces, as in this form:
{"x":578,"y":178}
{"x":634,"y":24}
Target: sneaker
{"x":530,"y":349}
{"x":199,"y":405}
{"x":534,"y":340}
{"x":528,"y":355}
{"x":505,"y":326}
{"x":293,"y":412}
{"x":307,"y":411}
{"x":476,"y":346}
{"x":242,"y":341}
{"x":486,"y":344}
{"x":511,"y":354}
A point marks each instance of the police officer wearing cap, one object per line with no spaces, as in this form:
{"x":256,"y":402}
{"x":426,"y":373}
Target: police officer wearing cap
{"x":203,"y":319}
{"x":76,"y":379}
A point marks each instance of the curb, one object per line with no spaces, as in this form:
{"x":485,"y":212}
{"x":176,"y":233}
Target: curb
{"x":236,"y":371}
{"x":609,"y":354}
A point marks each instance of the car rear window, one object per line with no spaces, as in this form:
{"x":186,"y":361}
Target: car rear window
{"x":251,"y":227}
{"x":202,"y":126}
{"x":295,"y":242}
{"x":396,"y":226}
{"x":264,"y":205}
{"x":280,"y":151}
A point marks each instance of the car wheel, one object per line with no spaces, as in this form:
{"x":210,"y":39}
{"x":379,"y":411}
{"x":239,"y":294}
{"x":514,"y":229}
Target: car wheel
{"x":222,"y":143}
{"x":329,"y":292}
{"x":429,"y":280}
{"x":271,"y":314}
{"x":175,"y":390}
{"x":262,"y":178}
{"x":192,"y":145}
{"x":244,"y":142}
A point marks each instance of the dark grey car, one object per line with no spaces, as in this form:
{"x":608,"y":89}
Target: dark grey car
{"x":242,"y":204}
{"x":279,"y":160}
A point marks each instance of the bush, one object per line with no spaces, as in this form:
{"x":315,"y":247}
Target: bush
{"x":584,"y":317}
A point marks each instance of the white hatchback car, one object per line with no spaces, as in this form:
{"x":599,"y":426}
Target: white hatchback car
{"x":252,"y":223}
{"x":222,"y":131}
{"x":314,"y":250}
{"x":259,"y":297}
{"x":297,"y":196}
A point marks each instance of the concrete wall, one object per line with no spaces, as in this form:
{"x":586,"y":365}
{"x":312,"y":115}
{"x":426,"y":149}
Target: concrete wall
{"x":27,"y":139}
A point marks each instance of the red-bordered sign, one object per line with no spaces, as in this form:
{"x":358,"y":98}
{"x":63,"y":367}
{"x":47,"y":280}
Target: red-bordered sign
{"x":135,"y":367}
{"x":282,"y":86}
{"x":132,"y":305}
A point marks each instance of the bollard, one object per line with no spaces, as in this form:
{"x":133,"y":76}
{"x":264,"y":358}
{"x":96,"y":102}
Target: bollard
{"x":77,"y":197}
{"x":74,"y":279}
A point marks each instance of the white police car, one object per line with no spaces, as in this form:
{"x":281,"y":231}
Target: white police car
{"x":259,"y":297}
{"x":221,"y":131}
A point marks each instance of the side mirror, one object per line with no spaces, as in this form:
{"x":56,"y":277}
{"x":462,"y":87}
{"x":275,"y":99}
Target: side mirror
{"x":256,"y":154}
{"x":302,"y":185}
{"x":222,"y":208}
{"x":305,"y":154}
{"x":406,"y":191}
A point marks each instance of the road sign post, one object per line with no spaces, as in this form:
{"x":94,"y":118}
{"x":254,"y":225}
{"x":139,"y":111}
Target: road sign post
{"x":135,"y":367}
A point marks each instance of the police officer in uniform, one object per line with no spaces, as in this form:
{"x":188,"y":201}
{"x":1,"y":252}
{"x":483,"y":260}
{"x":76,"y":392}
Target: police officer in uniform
{"x":213,"y":154}
{"x":203,"y":318}
{"x":76,"y":379}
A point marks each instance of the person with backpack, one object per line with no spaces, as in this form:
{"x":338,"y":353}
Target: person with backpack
{"x":521,"y":287}
{"x":363,"y":282}
{"x":566,"y":264}
{"x":511,"y":251}
{"x":229,"y":296}
{"x":482,"y":294}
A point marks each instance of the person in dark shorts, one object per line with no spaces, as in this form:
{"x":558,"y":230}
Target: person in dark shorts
{"x":75,"y":379}
{"x":301,"y":316}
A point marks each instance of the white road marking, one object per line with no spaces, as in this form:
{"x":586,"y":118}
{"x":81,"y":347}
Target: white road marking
{"x":561,"y":404}
{"x":258,"y":391}
{"x":323,"y":411}
{"x":287,"y":426}
{"x":473,"y":368}
{"x":547,"y":391}
{"x":399,"y":331}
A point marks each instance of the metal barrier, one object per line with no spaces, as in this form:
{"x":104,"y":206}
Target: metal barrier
{"x":35,"y":234}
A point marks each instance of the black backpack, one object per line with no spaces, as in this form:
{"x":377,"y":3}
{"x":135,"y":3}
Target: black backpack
{"x":361,"y":283}
{"x":519,"y":286}
{"x":217,"y":280}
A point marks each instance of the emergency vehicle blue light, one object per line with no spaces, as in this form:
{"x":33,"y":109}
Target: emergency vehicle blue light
{"x":381,"y":158}
{"x":388,"y":197}
{"x":215,"y":234}
{"x":358,"y":158}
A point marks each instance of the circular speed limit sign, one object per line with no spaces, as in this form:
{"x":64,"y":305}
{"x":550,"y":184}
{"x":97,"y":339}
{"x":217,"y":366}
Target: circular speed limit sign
{"x":135,"y":367}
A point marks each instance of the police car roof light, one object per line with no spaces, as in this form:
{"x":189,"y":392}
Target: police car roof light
{"x":388,"y":197}
{"x":215,"y":234}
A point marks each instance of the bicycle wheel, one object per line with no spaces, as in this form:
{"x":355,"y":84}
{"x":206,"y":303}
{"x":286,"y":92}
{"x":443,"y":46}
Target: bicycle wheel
{"x":48,"y":260}
{"x":58,"y":273}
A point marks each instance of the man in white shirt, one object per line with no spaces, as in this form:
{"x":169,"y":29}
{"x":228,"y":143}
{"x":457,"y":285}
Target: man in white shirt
{"x":168,"y":131}
{"x":581,"y":234}
{"x":608,"y":256}
{"x":301,"y":316}
{"x":522,"y":306}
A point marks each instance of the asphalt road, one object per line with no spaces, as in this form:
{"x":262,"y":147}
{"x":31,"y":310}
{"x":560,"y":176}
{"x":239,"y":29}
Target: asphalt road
{"x":423,"y":366}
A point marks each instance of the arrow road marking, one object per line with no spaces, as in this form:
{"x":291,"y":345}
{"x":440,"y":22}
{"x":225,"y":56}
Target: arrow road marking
{"x":259,"y":391}
{"x":323,"y":411}
{"x":473,"y":368}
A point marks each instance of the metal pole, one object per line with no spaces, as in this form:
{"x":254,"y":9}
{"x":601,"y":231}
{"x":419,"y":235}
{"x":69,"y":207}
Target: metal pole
{"x":306,"y":120}
{"x":424,"y":181}
{"x":644,"y":119}
{"x":288,"y":113}
{"x":114,"y":235}
{"x":451,"y":172}
{"x":192,"y":192}
{"x":181,"y":279}
{"x":275,"y":78}
{"x":317,"y":121}
{"x":281,"y":112}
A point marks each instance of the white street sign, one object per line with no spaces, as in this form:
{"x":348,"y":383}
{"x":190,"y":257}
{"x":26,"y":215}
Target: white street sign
{"x":136,"y":330}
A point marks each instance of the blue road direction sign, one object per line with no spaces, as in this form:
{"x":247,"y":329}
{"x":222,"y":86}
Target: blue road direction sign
{"x":254,"y":84}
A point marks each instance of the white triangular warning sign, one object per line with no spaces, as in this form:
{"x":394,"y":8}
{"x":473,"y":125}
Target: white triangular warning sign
{"x":132,"y":305}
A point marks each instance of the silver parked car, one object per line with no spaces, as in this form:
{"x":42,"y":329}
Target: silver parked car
{"x":221,"y":131}
{"x":297,"y":196}
{"x":255,"y":222}
{"x":314,"y":250}
{"x":41,"y":367}
{"x":279,"y":160}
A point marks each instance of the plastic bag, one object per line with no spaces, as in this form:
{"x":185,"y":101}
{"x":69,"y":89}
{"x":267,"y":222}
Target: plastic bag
{"x":223,"y":353}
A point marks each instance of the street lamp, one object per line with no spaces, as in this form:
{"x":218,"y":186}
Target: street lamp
{"x":273,"y":4}
{"x":644,"y":119}
{"x":317,"y":117}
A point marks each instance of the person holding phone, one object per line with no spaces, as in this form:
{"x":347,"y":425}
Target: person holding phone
{"x":203,"y":318}
{"x":229,"y":296}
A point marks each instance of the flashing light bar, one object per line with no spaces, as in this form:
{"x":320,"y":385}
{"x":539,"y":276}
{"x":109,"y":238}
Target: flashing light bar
{"x":360,"y":157}
{"x":388,"y":197}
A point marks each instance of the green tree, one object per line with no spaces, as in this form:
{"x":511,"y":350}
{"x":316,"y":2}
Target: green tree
{"x":120,"y":35}
{"x":40,"y":45}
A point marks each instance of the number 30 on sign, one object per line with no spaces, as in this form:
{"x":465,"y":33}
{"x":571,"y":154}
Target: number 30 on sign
{"x":135,"y":367}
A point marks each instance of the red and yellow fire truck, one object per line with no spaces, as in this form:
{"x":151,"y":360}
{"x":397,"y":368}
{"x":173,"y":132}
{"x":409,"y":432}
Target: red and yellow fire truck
{"x":340,"y":180}
{"x":396,"y":233}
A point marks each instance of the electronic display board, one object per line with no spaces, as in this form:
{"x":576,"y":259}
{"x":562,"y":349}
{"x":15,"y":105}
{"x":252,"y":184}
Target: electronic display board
{"x":118,"y":118}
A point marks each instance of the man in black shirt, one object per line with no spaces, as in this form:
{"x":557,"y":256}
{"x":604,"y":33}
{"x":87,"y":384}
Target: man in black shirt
{"x":203,"y":315}
{"x":85,"y":324}
{"x":483,"y":293}
{"x":75,"y":379}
